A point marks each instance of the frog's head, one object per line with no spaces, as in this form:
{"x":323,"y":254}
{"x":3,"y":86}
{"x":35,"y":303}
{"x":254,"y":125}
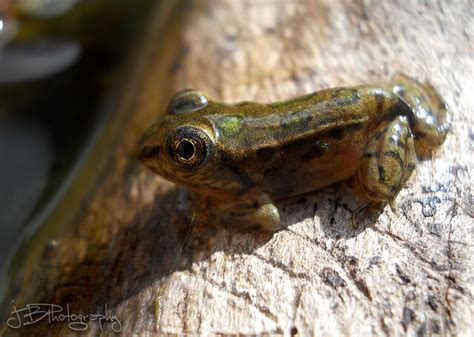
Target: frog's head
{"x":180,"y":145}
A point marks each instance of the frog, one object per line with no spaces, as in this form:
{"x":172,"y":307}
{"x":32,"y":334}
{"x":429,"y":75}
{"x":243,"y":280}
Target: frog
{"x":239,"y":159}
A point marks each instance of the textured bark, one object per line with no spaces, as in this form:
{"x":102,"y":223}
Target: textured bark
{"x":405,"y":275}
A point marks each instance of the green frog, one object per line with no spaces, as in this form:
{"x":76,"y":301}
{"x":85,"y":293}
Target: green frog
{"x":238,"y":159}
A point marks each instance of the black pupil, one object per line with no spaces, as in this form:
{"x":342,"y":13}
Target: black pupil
{"x":185,"y":149}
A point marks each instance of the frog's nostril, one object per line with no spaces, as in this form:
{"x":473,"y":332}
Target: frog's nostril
{"x":149,"y":152}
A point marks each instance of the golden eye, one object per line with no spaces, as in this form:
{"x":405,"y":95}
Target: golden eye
{"x":186,"y":149}
{"x":189,"y":147}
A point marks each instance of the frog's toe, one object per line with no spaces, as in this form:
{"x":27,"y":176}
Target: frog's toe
{"x":366,"y":207}
{"x":357,"y":212}
{"x":394,"y":208}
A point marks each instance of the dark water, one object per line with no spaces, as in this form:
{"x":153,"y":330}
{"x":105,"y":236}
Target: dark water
{"x":55,"y":77}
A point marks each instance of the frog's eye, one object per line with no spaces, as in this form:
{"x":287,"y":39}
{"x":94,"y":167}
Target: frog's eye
{"x":189,"y":147}
{"x":186,"y":101}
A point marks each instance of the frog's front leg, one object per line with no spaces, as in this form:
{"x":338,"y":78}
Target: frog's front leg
{"x":387,"y":164}
{"x":253,"y":214}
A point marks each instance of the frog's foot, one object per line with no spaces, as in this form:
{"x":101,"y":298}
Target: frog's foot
{"x":357,"y":212}
{"x":253,"y":216}
{"x":365,"y":208}
{"x":387,"y":164}
{"x":394,"y":208}
{"x":430,"y":121}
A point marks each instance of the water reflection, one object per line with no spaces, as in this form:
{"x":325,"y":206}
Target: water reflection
{"x":36,"y":59}
{"x":45,"y":8}
{"x":59,"y":61}
{"x":27,"y":155}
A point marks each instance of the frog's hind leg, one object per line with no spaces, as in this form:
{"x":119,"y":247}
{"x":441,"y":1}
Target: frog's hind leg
{"x":430,"y":121}
{"x":387,"y":164}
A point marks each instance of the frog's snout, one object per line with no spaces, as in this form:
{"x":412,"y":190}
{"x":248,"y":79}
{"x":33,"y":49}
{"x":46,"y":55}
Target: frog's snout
{"x":148,"y":155}
{"x":148,"y":152}
{"x":149,"y":147}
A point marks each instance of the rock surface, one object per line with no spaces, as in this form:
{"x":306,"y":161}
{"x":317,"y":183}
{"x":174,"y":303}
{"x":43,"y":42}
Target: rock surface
{"x":398,"y":276}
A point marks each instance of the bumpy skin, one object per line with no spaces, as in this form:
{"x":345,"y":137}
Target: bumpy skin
{"x":239,"y":158}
